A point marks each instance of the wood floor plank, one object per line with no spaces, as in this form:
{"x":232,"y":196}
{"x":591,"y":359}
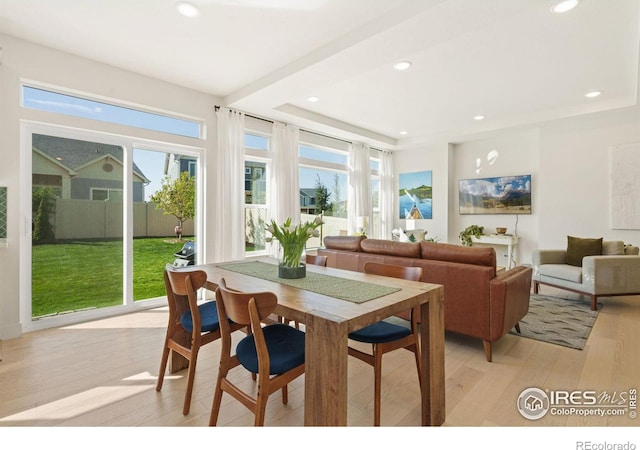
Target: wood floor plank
{"x":103,"y":373}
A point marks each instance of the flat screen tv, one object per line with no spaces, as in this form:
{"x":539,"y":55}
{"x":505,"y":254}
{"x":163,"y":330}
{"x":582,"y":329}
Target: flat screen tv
{"x":497,"y":195}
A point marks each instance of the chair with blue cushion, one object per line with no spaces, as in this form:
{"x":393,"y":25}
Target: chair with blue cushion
{"x":274,"y":351}
{"x":385,"y":336}
{"x":191,"y":325}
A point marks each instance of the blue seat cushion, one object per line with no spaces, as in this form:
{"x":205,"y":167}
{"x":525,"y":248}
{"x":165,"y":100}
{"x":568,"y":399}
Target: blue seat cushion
{"x":208,"y":316}
{"x":380,"y":332}
{"x":284,"y":343}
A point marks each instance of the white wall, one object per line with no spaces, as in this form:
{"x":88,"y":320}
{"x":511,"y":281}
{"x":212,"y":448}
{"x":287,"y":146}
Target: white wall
{"x":516,"y":154}
{"x":569,"y":164}
{"x":574,"y":185}
{"x":435,"y":159}
{"x":22,"y":60}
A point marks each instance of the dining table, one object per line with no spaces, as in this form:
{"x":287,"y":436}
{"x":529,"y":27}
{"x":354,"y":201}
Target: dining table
{"x":331,"y":303}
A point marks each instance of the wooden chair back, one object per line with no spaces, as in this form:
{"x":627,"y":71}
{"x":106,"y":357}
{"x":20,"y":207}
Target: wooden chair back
{"x":317,"y":260}
{"x":183,"y":281}
{"x":235,"y":305}
{"x":391,"y":270}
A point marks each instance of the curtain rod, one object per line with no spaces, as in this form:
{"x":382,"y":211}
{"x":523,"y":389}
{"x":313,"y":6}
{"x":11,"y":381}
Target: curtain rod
{"x":217,"y":107}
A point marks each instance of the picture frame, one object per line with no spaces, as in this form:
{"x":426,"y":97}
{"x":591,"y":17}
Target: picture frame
{"x":415,"y":195}
{"x":495,"y":195}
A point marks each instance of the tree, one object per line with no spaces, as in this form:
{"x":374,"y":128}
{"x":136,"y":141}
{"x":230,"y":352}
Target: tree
{"x":43,"y":207}
{"x":177,"y":198}
{"x":337,"y":207}
{"x":322,"y":196}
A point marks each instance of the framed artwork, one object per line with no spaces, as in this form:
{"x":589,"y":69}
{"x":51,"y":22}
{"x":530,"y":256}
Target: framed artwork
{"x":498,"y":195}
{"x":625,"y":187}
{"x":3,"y":215}
{"x":415,"y":195}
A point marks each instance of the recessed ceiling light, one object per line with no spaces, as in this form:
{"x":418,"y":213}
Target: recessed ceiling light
{"x":187,"y":9}
{"x":404,"y":132}
{"x":478,"y":117}
{"x":564,"y":6}
{"x":313,"y":99}
{"x":593,"y":94}
{"x":402,"y":65}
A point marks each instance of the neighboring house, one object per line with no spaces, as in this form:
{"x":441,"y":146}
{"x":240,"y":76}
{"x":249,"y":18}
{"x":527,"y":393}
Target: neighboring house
{"x":176,"y":164}
{"x":84,"y":170}
{"x":255,"y":184}
{"x":308,"y":201}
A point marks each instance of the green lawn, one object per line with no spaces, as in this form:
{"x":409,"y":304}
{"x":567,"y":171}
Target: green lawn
{"x":79,"y":275}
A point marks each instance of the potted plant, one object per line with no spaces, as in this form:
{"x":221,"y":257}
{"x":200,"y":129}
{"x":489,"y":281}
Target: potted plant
{"x":293,"y":241}
{"x":467,"y":233}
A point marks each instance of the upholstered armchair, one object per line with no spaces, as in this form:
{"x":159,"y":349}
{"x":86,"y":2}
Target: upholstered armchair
{"x":614,"y":270}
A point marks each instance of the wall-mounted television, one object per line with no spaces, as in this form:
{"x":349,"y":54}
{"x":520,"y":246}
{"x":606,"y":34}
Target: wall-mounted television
{"x":496,"y":195}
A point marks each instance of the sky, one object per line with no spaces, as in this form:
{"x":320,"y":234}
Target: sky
{"x":152,"y":163}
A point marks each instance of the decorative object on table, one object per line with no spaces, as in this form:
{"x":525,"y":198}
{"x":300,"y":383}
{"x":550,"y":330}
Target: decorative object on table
{"x":415,"y":195}
{"x":498,"y":195}
{"x":293,"y":241}
{"x":362,"y":223}
{"x":501,"y":230}
{"x":466,"y":234}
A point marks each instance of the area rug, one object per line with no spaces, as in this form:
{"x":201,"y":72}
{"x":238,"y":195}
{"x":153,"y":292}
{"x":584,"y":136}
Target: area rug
{"x":557,"y":320}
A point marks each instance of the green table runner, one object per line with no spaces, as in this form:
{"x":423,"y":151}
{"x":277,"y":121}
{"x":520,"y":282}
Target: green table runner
{"x":340,"y":288}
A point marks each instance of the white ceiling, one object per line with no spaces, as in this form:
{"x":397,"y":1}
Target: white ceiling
{"x":511,"y":60}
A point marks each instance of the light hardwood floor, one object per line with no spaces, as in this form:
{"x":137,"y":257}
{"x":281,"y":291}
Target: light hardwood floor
{"x":103,"y":373}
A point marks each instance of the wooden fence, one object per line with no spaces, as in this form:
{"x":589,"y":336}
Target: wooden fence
{"x":91,"y":219}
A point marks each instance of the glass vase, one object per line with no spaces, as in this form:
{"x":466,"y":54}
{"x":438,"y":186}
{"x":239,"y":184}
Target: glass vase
{"x":291,"y":262}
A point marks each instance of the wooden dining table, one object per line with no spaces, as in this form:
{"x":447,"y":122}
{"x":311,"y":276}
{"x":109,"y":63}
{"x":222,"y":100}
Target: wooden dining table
{"x":327,"y":324}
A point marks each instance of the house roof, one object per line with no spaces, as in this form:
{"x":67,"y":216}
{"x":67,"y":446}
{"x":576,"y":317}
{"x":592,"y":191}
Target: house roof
{"x":306,"y":192}
{"x":75,"y":154}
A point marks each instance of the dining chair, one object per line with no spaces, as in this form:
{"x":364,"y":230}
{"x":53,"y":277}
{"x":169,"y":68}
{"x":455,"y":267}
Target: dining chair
{"x":191,"y":325}
{"x":275,"y":352}
{"x":385,"y":336}
{"x":318,"y":260}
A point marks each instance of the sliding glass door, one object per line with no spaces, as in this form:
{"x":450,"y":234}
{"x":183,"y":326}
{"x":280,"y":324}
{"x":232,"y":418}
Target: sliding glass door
{"x":107,"y":215}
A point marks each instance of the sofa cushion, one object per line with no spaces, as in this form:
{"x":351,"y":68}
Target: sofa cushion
{"x":348,"y":243}
{"x":479,"y":256}
{"x":391,"y":248}
{"x":612,"y":247}
{"x":630,"y":249}
{"x":562,"y":272}
{"x":578,"y":248}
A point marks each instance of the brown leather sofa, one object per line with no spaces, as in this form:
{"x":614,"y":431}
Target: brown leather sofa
{"x":478,"y":302}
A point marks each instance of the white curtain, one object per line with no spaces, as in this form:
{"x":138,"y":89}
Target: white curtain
{"x":388,"y":195}
{"x":229,"y":228}
{"x":359,"y":202}
{"x":284,"y":186}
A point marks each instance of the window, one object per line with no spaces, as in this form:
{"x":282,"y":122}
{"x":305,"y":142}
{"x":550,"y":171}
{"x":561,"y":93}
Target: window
{"x":256,"y":142}
{"x":192,"y":168}
{"x":46,"y":100}
{"x":255,"y":201}
{"x":106,"y":194}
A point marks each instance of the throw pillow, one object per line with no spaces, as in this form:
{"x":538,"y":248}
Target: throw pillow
{"x":612,"y":248}
{"x":578,"y":248}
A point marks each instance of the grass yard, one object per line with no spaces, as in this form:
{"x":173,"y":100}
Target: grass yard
{"x":80,"y":275}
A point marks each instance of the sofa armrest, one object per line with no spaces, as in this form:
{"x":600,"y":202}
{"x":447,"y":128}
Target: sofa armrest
{"x":539,"y":257}
{"x":509,"y":299}
{"x":611,"y":274}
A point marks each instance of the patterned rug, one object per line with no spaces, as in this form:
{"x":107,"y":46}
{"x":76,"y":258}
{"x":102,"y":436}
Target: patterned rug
{"x":558,"y":321}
